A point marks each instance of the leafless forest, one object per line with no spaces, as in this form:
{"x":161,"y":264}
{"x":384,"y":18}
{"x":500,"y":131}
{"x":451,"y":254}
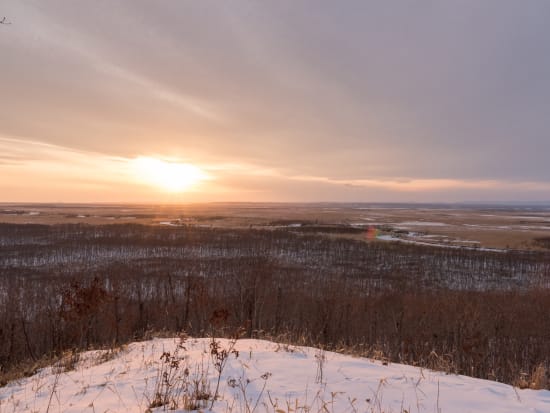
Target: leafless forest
{"x":473,"y":312}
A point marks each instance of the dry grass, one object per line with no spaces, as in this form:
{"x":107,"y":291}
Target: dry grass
{"x":537,"y":380}
{"x":24,"y":369}
{"x":67,"y":361}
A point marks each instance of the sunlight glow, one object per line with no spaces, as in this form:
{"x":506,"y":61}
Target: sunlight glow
{"x":166,"y":175}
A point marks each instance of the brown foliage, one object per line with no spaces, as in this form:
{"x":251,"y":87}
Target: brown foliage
{"x":471,"y":312}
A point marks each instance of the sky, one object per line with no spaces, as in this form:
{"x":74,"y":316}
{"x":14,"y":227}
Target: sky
{"x":195,"y":101}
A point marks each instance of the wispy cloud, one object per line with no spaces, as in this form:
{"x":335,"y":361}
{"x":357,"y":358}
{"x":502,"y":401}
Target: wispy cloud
{"x":428,"y":185}
{"x":71,"y":43}
{"x":367,"y":101}
{"x":185,"y":102}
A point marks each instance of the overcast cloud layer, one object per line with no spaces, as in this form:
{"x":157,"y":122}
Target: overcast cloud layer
{"x":329,"y":96}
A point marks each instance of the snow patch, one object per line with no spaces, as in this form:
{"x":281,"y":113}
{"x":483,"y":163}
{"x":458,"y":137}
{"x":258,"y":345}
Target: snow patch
{"x":423,"y":224}
{"x":270,"y":373}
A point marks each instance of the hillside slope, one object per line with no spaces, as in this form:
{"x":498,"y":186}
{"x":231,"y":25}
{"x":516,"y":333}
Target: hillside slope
{"x":263,"y":377}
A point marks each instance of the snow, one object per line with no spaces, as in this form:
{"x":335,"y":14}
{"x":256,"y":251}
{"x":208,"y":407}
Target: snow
{"x":389,"y":237}
{"x":423,"y":223}
{"x":269,"y":376}
{"x":169,"y":223}
{"x":536,"y":227}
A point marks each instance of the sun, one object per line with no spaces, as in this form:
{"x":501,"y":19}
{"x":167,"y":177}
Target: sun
{"x":166,"y":175}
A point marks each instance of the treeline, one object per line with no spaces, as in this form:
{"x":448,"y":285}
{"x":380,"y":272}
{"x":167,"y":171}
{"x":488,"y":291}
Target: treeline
{"x":63,"y":249}
{"x":471,"y":312}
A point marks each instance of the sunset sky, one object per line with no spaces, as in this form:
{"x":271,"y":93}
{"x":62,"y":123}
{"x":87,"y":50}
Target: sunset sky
{"x":191,"y":101}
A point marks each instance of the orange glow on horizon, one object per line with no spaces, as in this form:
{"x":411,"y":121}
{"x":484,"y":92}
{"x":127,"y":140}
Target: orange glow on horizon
{"x":166,"y":175}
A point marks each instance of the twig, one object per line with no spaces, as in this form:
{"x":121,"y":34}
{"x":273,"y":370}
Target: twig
{"x":54,"y":387}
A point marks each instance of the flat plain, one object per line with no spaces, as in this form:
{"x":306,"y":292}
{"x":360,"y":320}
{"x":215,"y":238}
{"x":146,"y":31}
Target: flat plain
{"x":500,"y":227}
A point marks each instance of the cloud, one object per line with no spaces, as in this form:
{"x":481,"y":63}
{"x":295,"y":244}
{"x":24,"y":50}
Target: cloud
{"x":50,"y":173}
{"x":451,"y":97}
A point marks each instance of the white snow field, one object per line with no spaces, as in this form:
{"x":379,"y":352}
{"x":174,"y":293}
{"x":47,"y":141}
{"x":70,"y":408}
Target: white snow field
{"x":265,"y":377}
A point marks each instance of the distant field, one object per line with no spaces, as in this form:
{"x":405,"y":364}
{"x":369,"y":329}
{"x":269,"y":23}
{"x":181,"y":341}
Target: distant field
{"x":497,"y":227}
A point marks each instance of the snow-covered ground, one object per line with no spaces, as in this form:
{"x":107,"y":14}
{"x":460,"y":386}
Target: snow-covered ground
{"x":265,"y":377}
{"x":422,"y":240}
